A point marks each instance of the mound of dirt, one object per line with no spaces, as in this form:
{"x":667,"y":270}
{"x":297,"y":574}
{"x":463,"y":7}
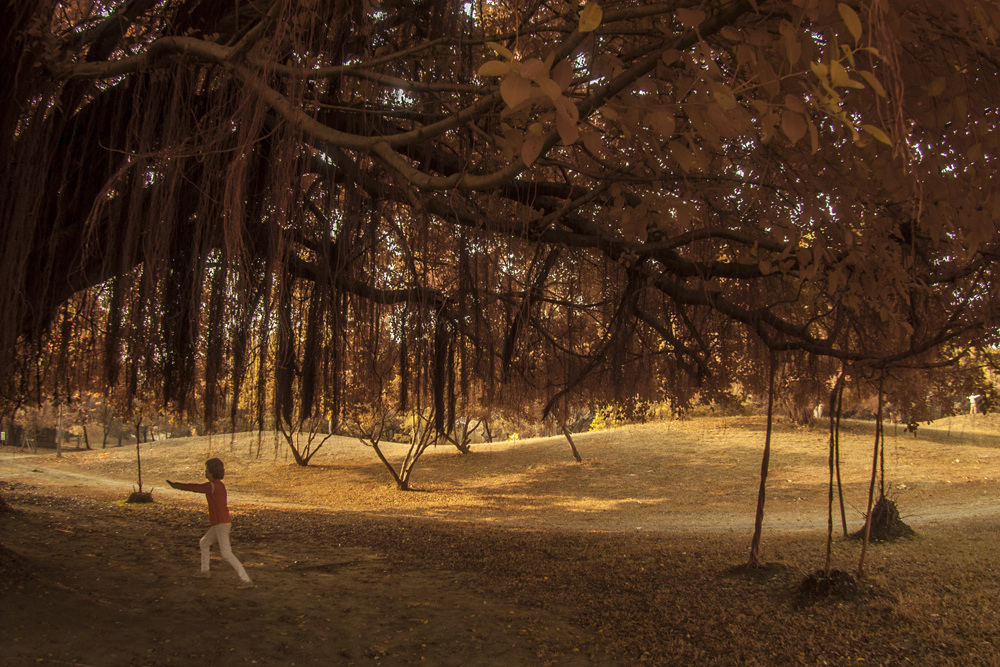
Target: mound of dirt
{"x":886,"y":524}
{"x":140,"y":497}
{"x":821,"y":585}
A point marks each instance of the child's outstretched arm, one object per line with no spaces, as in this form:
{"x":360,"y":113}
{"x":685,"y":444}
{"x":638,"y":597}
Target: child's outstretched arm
{"x":203,"y":487}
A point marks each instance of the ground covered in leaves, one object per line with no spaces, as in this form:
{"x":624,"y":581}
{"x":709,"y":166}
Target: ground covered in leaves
{"x":509,"y":556}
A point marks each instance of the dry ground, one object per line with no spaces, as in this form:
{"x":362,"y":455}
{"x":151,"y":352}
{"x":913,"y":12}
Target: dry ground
{"x":514,"y":554}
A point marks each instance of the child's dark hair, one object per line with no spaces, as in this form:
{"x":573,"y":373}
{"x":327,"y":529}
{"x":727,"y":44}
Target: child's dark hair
{"x":215,"y":468}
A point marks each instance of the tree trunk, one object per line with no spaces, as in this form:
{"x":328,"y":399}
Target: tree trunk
{"x":138,"y":464}
{"x":439,"y":381}
{"x":880,"y":425}
{"x":59,"y":432}
{"x":301,"y":455}
{"x":462,"y":437}
{"x":401,"y":484}
{"x":871,"y":486}
{"x":138,"y":456}
{"x":834,"y":471}
{"x":572,"y":445}
{"x":840,"y":486}
{"x":754,"y":560}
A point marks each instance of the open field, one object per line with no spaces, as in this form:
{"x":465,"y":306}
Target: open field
{"x":514,"y":554}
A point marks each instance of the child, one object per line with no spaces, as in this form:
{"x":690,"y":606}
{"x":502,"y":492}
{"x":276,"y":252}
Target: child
{"x":218,"y":517}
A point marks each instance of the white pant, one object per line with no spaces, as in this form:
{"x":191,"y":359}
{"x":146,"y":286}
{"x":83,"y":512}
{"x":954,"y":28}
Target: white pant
{"x":219,"y":533}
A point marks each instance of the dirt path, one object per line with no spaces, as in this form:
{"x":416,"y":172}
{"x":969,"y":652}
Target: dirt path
{"x":711,"y":520}
{"x":699,"y":477}
{"x":35,"y":472}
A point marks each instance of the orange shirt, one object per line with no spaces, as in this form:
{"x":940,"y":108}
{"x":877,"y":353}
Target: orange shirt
{"x":215,"y":492}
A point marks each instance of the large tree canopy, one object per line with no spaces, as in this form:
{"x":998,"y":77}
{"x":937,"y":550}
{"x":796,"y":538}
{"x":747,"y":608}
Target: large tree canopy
{"x":287,"y":209}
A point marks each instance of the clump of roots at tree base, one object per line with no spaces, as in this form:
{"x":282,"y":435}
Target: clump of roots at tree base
{"x":886,"y":524}
{"x":140,"y":497}
{"x":822,"y":584}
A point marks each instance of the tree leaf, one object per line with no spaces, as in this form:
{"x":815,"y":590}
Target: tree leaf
{"x":848,"y":54}
{"x":590,"y":17}
{"x":803,"y":256}
{"x":793,"y":125}
{"x":592,"y":142}
{"x":515,"y":89}
{"x":569,"y":131}
{"x":550,"y":88}
{"x":683,"y":155}
{"x":724,"y":97}
{"x":937,"y":86}
{"x":562,"y":74}
{"x":726,"y":123}
{"x":878,"y":134}
{"x":501,"y":49}
{"x":565,"y":107}
{"x":838,"y":74}
{"x":493,"y":68}
{"x":836,"y":280}
{"x":790,"y":38}
{"x":670,"y":56}
{"x":731,"y":33}
{"x":873,"y":82}
{"x":820,"y":70}
{"x":975,"y":153}
{"x":690,"y":18}
{"x":662,"y":121}
{"x":683,"y":214}
{"x":851,"y":19}
{"x":795,"y":103}
{"x":531,"y":149}
{"x":533,"y":69}
{"x":633,"y":225}
{"x":818,"y":252}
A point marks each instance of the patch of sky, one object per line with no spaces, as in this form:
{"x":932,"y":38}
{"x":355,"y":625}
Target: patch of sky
{"x":827,"y":205}
{"x":336,"y":220}
{"x":399,"y":98}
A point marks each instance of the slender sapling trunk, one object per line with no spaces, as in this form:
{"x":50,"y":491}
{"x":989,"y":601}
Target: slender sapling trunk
{"x":754,"y":560}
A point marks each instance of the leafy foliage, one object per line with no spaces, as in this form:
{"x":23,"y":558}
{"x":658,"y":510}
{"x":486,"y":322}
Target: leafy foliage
{"x":270,"y":211}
